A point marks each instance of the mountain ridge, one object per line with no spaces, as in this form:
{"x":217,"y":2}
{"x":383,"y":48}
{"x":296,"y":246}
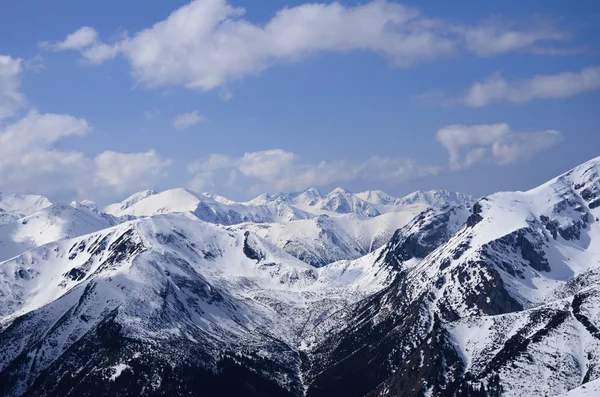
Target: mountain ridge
{"x":498,"y":298}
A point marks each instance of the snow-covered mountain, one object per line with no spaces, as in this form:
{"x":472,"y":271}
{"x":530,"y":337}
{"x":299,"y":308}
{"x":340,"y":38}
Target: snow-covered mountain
{"x":318,"y":229}
{"x":22,"y":204}
{"x":428,"y":198}
{"x":499,"y":298}
{"x":506,"y":305}
{"x":281,"y":207}
{"x":205,"y":207}
{"x":166,"y":292}
{"x":52,"y":223}
{"x":323,"y":239}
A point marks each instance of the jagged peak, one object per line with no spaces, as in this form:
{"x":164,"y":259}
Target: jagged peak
{"x":586,"y":173}
{"x":312,"y":191}
{"x":338,"y":190}
{"x":23,"y":204}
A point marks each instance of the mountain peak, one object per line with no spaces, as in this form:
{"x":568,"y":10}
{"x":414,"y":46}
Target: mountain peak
{"x":260,"y":200}
{"x":437,"y":198}
{"x":377,"y":197}
{"x":312,"y":192}
{"x":23,"y":204}
{"x":339,"y":190}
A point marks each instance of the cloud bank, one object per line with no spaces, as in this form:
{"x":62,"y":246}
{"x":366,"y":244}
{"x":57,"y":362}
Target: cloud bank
{"x":280,"y":170}
{"x":468,"y":145}
{"x":206,"y":44}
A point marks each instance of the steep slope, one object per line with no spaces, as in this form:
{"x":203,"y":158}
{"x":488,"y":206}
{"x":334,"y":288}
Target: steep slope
{"x":429,"y":198}
{"x":53,"y":223}
{"x":589,"y":389}
{"x":22,"y":204}
{"x":281,"y":207}
{"x":204,"y":207}
{"x":499,"y":299}
{"x":323,"y":239}
{"x":314,"y":228}
{"x":118,"y":209}
{"x":7,"y":217}
{"x":340,"y":201}
{"x":166,"y":304}
{"x":436,"y":198}
{"x":509,"y":299}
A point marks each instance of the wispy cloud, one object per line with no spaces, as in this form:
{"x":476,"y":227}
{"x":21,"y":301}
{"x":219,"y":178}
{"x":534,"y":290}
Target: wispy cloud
{"x":497,"y":89}
{"x":496,"y":36}
{"x":560,"y":51}
{"x":468,"y":145}
{"x":11,"y":99}
{"x":280,"y":170}
{"x":186,"y":120}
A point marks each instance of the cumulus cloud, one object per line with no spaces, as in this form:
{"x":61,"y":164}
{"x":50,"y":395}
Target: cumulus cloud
{"x":206,"y":43}
{"x":468,"y":145}
{"x":31,"y":162}
{"x":186,"y":120}
{"x":496,"y":89}
{"x":11,"y":99}
{"x":28,"y":159}
{"x":129,"y":171}
{"x":279,"y":170}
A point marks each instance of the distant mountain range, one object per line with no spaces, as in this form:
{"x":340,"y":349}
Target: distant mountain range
{"x":304,"y":294}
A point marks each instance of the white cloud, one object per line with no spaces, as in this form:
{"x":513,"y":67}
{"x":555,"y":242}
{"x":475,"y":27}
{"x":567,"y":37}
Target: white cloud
{"x":129,"y":171}
{"x":79,"y":39}
{"x":37,"y":130}
{"x":31,"y":162}
{"x":494,"y":37}
{"x":11,"y":99}
{"x":267,"y":164}
{"x":85,"y":40}
{"x":186,"y":120}
{"x":468,"y":145}
{"x":521,"y":147}
{"x":206,"y":43}
{"x":280,"y":170}
{"x":100,"y":52}
{"x":562,"y":85}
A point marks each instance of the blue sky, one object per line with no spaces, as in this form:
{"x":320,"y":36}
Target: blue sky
{"x":364,"y":95}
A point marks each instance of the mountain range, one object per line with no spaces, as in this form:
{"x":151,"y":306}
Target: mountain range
{"x":304,"y":294}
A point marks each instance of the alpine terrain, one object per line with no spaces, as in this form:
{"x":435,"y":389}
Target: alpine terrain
{"x":304,"y":294}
